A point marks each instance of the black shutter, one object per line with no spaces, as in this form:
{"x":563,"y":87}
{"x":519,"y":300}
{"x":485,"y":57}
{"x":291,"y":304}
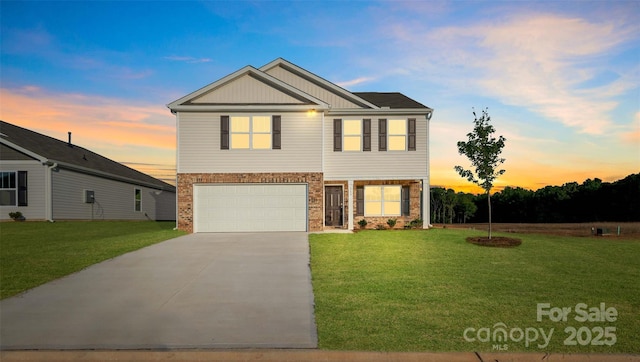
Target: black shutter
{"x":366,"y":135}
{"x":337,"y":135}
{"x":224,"y":132}
{"x":412,"y":134}
{"x":22,"y":188}
{"x":382,"y":135}
{"x":275,"y":135}
{"x":406,"y":210}
{"x":360,"y":200}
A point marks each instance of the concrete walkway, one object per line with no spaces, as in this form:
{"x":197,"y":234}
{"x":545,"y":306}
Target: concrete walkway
{"x":197,"y":291}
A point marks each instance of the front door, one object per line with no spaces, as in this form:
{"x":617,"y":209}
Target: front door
{"x":333,"y":205}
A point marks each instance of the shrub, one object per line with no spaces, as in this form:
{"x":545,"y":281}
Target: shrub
{"x":381,"y":227}
{"x":416,"y":223}
{"x":362,"y":223}
{"x":391,"y":223}
{"x":16,"y":215}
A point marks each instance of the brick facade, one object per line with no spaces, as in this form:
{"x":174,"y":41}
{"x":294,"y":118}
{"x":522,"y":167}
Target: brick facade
{"x":314,"y":180}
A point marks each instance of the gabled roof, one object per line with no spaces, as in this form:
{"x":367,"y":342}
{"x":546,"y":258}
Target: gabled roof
{"x":50,"y":150}
{"x":393,"y":100}
{"x":319,"y":81}
{"x":303,"y":100}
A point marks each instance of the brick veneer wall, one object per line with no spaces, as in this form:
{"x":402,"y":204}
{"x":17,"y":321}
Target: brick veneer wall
{"x":313,"y":179}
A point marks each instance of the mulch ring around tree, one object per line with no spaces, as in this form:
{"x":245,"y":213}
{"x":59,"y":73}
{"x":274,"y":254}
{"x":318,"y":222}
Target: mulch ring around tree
{"x":495,"y":241}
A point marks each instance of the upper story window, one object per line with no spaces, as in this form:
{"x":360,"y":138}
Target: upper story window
{"x":250,"y":132}
{"x":13,"y":188}
{"x":352,"y":135}
{"x":397,"y":135}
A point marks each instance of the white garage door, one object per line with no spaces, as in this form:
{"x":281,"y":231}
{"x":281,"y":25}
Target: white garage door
{"x":250,"y":207}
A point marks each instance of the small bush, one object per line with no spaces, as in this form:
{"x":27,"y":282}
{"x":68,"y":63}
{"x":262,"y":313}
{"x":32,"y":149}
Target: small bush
{"x":381,"y":227}
{"x":416,"y":223}
{"x":362,"y":223}
{"x":16,"y":215}
{"x":391,"y":223}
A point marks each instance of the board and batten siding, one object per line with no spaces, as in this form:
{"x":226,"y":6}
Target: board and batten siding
{"x":311,"y":88}
{"x":376,"y":164}
{"x":35,"y":209}
{"x":114,"y":200}
{"x":249,"y":90}
{"x":199,"y":146}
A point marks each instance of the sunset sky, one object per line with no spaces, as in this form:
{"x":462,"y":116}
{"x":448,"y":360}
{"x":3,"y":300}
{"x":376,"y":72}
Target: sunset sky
{"x":561,"y":79}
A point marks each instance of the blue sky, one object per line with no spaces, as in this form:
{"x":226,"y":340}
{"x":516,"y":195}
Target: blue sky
{"x":561,"y":79}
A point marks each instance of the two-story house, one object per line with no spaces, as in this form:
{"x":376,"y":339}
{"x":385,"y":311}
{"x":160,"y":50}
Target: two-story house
{"x":279,"y":148}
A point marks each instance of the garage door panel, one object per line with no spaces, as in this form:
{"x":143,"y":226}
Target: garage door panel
{"x":250,"y":207}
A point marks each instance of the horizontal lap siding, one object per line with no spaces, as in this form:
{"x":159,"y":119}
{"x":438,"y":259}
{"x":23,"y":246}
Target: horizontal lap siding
{"x":199,"y":146}
{"x":35,"y":210}
{"x":114,"y":200}
{"x":374,"y":163}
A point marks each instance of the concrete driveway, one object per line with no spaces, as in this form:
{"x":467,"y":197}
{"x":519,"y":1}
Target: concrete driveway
{"x":196,"y":291}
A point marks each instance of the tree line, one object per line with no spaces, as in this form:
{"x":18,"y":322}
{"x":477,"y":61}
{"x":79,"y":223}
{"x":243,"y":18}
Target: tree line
{"x":593,"y":200}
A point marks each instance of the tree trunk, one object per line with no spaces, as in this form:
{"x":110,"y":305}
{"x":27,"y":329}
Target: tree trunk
{"x":489,"y":202}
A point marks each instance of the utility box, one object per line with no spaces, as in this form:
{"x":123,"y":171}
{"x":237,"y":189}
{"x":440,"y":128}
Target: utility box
{"x":89,"y":196}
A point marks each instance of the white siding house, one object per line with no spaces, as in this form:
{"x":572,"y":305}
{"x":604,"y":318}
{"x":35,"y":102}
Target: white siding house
{"x":280,"y":148}
{"x":49,"y":179}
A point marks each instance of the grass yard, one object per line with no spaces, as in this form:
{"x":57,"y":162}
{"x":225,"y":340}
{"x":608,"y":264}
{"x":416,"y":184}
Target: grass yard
{"x":33,"y":253}
{"x":414,"y":290}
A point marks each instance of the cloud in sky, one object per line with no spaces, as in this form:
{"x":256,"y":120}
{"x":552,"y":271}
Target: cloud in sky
{"x":353,"y":82}
{"x":187,"y":59}
{"x":534,"y":60}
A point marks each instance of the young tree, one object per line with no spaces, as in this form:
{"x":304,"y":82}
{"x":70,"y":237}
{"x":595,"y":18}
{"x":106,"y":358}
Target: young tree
{"x":483,"y":150}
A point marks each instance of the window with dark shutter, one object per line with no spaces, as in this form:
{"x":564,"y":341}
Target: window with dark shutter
{"x":406,"y":206}
{"x":412,"y":134}
{"x":22,"y":188}
{"x":366,"y":135}
{"x":337,"y":134}
{"x":360,"y":200}
{"x":382,"y":135}
{"x":275,"y":127}
{"x":224,"y":132}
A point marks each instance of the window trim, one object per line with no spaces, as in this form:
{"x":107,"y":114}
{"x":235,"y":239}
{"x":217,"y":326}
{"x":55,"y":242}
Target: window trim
{"x":21,"y":189}
{"x":227,"y":132}
{"x":13,"y":189}
{"x":382,"y":201}
{"x":405,"y":134}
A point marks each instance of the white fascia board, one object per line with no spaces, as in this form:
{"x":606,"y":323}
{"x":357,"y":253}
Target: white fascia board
{"x":375,"y":178}
{"x":42,"y":159}
{"x":386,"y":111}
{"x":319,"y":81}
{"x":249,"y":108}
{"x":277,"y":83}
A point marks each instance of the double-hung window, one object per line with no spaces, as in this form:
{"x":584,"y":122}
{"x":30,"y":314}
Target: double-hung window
{"x":352,"y":135}
{"x":397,"y":135}
{"x":250,"y":132}
{"x":382,"y":200}
{"x":13,"y":188}
{"x":137,"y":199}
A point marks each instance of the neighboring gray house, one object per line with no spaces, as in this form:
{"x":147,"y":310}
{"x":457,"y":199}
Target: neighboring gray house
{"x":281,"y":149}
{"x":48,"y":179}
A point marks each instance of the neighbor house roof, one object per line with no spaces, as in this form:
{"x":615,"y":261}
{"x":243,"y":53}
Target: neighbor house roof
{"x":393,"y":100}
{"x":68,"y":155}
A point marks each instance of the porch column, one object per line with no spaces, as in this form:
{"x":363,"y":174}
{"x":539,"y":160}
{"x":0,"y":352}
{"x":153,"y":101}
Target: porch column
{"x":350,"y":205}
{"x":426,"y":203}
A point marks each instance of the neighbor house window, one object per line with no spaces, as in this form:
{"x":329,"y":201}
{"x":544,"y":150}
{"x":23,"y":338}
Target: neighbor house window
{"x":137,"y":199}
{"x":352,"y":135}
{"x":250,"y":132}
{"x":13,"y":188}
{"x":397,"y":135}
{"x":382,"y":200}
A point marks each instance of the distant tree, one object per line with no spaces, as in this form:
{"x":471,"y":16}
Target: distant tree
{"x":483,"y":150}
{"x":465,"y":207}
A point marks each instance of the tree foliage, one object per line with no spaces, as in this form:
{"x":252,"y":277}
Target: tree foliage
{"x":483,"y":151}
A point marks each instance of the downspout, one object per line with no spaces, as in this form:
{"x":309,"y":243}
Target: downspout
{"x":177,"y":166}
{"x":48,"y":190}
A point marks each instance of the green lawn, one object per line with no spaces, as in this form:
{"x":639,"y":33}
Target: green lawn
{"x":414,"y":290}
{"x":33,"y":253}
